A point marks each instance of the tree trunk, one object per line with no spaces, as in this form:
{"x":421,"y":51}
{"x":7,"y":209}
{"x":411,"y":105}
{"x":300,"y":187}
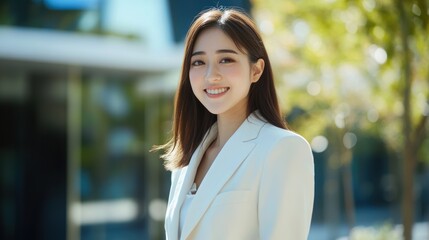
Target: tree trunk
{"x":408,"y":191}
{"x":348,"y":191}
{"x":409,"y":151}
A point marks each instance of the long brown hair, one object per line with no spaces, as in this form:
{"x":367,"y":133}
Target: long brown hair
{"x":191,"y":119}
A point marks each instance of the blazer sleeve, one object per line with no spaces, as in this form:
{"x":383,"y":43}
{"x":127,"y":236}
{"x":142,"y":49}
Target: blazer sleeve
{"x":286,"y":190}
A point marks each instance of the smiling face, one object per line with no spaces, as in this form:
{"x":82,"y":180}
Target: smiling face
{"x":221,"y":74}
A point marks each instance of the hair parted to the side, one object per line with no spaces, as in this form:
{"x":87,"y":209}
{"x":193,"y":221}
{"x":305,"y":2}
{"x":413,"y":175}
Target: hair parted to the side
{"x":191,"y":119}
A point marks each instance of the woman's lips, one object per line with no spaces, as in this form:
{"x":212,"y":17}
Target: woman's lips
{"x":217,"y":90}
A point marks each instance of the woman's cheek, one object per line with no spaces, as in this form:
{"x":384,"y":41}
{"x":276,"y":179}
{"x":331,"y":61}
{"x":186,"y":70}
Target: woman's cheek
{"x":195,"y":74}
{"x":232,"y":72}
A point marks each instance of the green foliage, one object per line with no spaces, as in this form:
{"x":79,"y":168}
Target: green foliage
{"x":340,"y":61}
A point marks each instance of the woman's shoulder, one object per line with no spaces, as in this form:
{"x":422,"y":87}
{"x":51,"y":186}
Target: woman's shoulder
{"x":278,"y":145}
{"x":276,"y":134}
{"x":272,"y":132}
{"x":283,"y":141}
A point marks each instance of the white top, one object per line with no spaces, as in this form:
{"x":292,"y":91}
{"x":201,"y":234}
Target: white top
{"x":185,"y":207}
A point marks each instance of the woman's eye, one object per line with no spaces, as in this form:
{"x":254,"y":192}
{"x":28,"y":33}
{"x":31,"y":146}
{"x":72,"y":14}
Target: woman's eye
{"x":226,"y":60}
{"x":197,"y":63}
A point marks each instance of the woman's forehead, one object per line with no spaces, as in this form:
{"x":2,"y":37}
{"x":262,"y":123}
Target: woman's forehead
{"x":212,"y":39}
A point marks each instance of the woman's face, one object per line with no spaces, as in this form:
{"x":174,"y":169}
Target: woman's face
{"x":221,"y":74}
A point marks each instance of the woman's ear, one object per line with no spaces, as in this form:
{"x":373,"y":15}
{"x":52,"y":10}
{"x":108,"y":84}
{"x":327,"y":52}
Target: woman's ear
{"x":257,"y":69}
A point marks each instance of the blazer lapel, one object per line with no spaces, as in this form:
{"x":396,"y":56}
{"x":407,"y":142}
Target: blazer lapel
{"x":228,"y":160}
{"x":185,"y":181}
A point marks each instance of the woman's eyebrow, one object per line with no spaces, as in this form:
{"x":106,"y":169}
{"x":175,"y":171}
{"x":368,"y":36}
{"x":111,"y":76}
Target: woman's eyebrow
{"x":218,"y":51}
{"x":198,"y":53}
{"x":226,"y":51}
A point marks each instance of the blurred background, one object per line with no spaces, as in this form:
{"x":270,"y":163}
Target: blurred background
{"x":87,"y":87}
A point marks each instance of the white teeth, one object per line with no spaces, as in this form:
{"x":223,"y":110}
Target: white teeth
{"x":216,"y":91}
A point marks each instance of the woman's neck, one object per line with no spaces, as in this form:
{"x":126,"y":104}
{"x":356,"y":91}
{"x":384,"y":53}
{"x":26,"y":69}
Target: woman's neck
{"x":227,"y":124}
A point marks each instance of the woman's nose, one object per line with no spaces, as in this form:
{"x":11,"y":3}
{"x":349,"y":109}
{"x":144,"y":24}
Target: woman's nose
{"x":213,"y":74}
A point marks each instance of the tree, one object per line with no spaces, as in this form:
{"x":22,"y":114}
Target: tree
{"x":354,"y":65}
{"x":414,"y":134}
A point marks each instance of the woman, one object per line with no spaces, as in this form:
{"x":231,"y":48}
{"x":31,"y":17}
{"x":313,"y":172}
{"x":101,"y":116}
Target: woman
{"x":237,"y":173}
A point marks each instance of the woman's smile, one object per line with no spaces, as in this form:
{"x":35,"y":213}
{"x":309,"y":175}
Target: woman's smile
{"x":216,"y":92}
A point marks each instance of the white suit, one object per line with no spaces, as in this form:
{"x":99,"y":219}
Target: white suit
{"x":260,"y":186}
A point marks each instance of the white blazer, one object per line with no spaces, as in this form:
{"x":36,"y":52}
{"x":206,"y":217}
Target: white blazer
{"x":261,"y":186}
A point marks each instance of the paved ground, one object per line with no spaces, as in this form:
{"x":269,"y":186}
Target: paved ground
{"x":367,"y":219}
{"x":322,"y":232}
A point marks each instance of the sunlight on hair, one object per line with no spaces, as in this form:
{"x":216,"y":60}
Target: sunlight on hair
{"x":224,"y":17}
{"x":319,"y":144}
{"x":98,"y":212}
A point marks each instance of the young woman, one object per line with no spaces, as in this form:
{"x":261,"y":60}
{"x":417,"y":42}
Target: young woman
{"x":237,"y":172}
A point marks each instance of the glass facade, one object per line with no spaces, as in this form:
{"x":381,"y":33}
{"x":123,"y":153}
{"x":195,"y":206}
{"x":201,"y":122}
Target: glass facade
{"x":75,"y":155}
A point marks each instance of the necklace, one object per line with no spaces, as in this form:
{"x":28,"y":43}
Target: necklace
{"x":193,"y":189}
